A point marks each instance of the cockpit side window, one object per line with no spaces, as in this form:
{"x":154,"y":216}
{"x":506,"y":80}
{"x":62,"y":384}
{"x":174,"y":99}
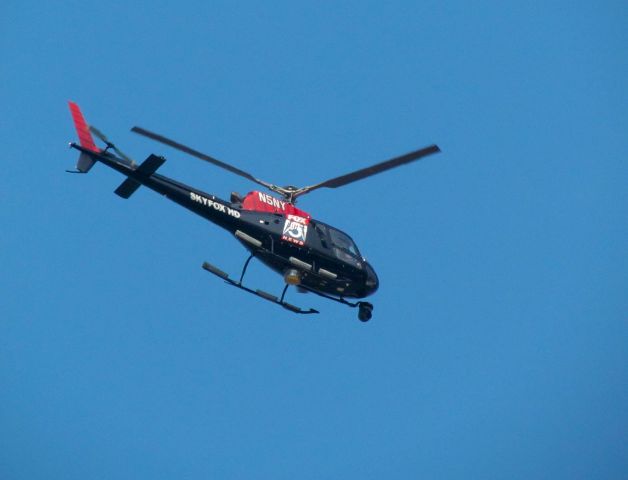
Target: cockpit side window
{"x":343,"y":242}
{"x":344,"y":248}
{"x":321,"y":229}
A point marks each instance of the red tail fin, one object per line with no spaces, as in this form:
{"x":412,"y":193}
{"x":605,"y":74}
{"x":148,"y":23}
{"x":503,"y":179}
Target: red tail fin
{"x":85,"y":137}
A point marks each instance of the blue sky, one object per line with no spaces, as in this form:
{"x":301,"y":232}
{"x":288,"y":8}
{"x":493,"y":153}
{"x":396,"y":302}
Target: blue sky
{"x":499,"y":342}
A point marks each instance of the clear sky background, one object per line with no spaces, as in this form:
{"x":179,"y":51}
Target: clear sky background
{"x":499,"y":342}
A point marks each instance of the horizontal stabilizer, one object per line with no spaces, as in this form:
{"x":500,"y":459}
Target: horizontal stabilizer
{"x":150,"y":165}
{"x":127,"y":188}
{"x":145,"y":170}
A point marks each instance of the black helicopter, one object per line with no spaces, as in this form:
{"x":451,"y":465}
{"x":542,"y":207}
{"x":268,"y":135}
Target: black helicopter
{"x":311,"y":255}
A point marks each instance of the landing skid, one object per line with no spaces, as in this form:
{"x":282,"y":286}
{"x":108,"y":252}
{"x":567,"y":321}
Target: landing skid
{"x":260,"y":293}
{"x":365,"y":309}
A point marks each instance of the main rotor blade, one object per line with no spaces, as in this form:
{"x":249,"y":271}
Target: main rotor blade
{"x":197,"y":154}
{"x":372,"y":170}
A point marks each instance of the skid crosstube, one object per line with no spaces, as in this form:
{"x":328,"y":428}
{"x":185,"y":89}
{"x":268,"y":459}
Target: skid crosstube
{"x":260,"y":293}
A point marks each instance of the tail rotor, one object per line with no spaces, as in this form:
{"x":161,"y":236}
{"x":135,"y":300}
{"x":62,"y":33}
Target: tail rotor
{"x":111,"y":146}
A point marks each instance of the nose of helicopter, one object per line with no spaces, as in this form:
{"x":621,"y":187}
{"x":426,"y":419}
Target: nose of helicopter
{"x":372,"y":282}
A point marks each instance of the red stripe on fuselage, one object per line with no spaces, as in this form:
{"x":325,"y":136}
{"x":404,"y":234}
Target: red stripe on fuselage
{"x":263,"y":202}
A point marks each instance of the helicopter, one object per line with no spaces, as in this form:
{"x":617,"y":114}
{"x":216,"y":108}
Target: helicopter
{"x":310,"y":255}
